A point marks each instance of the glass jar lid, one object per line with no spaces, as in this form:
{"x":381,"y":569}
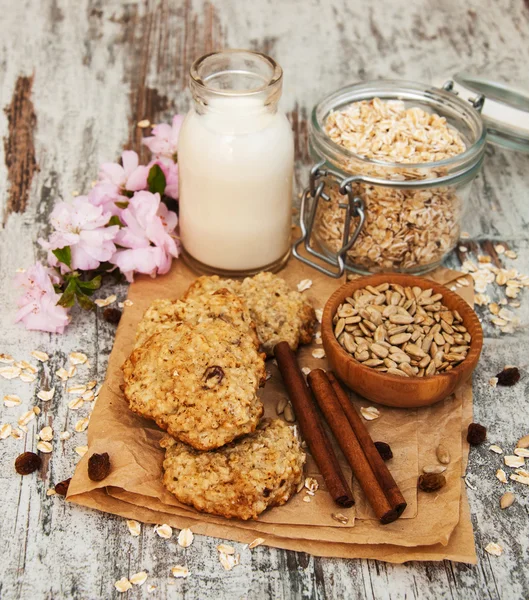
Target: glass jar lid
{"x":504,"y":109}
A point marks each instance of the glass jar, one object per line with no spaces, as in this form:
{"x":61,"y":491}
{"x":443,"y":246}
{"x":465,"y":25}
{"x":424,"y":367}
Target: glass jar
{"x":369,"y":216}
{"x":236,"y":162}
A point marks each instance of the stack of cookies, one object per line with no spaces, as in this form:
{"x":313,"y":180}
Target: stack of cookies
{"x":196,"y":369}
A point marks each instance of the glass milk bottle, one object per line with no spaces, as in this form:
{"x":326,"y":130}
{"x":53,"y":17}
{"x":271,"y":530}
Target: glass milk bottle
{"x":236,"y":161}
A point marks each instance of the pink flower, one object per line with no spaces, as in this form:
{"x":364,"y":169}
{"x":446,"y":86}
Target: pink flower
{"x":82,"y":226}
{"x":130,"y":177}
{"x":170,"y":170}
{"x":148,"y":236}
{"x":105,"y":195}
{"x":164,"y":139}
{"x":38,"y":307}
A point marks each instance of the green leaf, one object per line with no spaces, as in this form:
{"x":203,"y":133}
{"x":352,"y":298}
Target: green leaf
{"x":92,"y":285}
{"x":156,"y":180}
{"x":68,"y":297}
{"x":84,"y":301}
{"x":64,"y":255}
{"x":114,"y":220}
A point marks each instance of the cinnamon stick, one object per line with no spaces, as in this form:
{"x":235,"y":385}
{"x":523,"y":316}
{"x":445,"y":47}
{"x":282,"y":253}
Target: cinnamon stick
{"x":382,"y":473}
{"x":311,"y":426}
{"x":348,"y":442}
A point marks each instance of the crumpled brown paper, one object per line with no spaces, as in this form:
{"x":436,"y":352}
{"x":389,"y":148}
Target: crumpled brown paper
{"x":434,"y":526}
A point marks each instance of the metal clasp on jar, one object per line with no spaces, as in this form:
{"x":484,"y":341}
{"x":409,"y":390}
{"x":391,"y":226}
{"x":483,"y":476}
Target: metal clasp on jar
{"x":353,"y":207}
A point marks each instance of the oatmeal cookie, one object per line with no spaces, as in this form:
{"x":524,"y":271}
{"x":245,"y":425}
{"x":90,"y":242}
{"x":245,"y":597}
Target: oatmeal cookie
{"x":279,"y":313}
{"x":240,"y":480}
{"x":198,"y":382}
{"x":221,"y":304}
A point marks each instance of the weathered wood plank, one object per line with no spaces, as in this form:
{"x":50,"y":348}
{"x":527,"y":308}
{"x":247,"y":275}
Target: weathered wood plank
{"x":99,"y":67}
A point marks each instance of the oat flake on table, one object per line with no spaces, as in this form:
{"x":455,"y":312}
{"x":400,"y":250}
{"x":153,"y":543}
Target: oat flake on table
{"x":81,"y":450}
{"x":134,"y":527}
{"x":185,"y":538}
{"x":11,"y":372}
{"x":226,"y":549}
{"x":304,"y":284}
{"x":123,"y":585}
{"x":46,"y":395}
{"x":255,"y":543}
{"x":164,"y":531}
{"x":11,"y":400}
{"x":41,"y":356}
{"x":318,"y":353}
{"x":102,"y":302}
{"x":180,"y":572}
{"x":44,"y":447}
{"x":138,"y":578}
{"x":494,"y":549}
{"x":77,"y":358}
{"x":370,"y":413}
{"x":46,"y":434}
{"x":5,"y":431}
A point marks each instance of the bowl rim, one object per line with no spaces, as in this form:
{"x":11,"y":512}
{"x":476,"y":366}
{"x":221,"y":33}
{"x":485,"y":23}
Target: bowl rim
{"x":476,"y":344}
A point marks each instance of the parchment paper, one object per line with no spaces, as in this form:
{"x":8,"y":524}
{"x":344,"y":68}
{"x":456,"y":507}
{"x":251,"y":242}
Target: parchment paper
{"x":134,"y":488}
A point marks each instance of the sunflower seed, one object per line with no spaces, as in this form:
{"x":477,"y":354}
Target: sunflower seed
{"x":288,"y":413}
{"x":443,"y":455}
{"x":507,"y":500}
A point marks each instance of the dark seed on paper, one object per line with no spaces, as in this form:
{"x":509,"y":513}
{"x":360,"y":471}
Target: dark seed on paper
{"x":431,"y":482}
{"x":384,"y":450}
{"x":98,"y":466}
{"x":477,"y":434}
{"x":62,"y":487}
{"x":508,"y":376}
{"x":27,"y":463}
{"x":112,"y":315}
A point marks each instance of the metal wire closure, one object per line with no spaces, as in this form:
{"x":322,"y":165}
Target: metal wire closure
{"x":354,"y":208}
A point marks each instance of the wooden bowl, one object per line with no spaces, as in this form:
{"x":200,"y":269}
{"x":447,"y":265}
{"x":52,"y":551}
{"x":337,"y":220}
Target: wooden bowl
{"x":395,"y":390}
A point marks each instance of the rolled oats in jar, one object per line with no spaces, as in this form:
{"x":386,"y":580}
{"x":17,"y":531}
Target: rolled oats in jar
{"x":395,"y":162}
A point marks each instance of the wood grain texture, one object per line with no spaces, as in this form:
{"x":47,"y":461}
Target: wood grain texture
{"x":99,"y":67}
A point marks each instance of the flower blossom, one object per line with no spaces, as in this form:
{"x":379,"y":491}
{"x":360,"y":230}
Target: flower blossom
{"x":148,"y":237}
{"x":163,"y":142}
{"x":38,"y":307}
{"x":81,"y":226}
{"x":115,"y":181}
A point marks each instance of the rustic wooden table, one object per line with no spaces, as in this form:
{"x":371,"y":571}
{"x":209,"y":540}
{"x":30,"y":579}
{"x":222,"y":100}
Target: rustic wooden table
{"x":76,"y":77}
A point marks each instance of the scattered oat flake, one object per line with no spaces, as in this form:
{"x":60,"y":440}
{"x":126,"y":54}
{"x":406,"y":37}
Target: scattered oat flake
{"x":307,"y":498}
{"x":72,"y":370}
{"x":464,"y":235}
{"x":51,"y":492}
{"x":44,"y":447}
{"x":36,"y":410}
{"x":46,"y":434}
{"x":5,"y":431}
{"x":304,"y":284}
{"x":180,"y":572}
{"x":82,"y":424}
{"x":311,"y":484}
{"x":522,"y":472}
{"x":134,"y":527}
{"x":76,"y":403}
{"x":26,"y":417}
{"x":496,"y":449}
{"x":318,"y":353}
{"x":123,"y":585}
{"x":255,"y":543}
{"x":520,"y":479}
{"x":494,"y":549}
{"x":62,"y":373}
{"x":46,"y":395}
{"x":493,"y":382}
{"x":463,"y":249}
{"x":77,"y":358}
{"x":144,"y":123}
{"x":524,"y":452}
{"x":226,"y":549}
{"x":6,"y":358}
{"x":11,"y":400}
{"x":81,"y":450}
{"x":65,"y":435}
{"x":10,"y":372}
{"x":128,"y":302}
{"x":185,"y":538}
{"x":228,"y":561}
{"x":77,"y":389}
{"x":164,"y":531}
{"x":501,"y":475}
{"x":42,"y":356}
{"x":17,"y":434}
{"x":138,"y":578}
{"x":511,"y":254}
{"x":91,"y":384}
{"x":305,"y":370}
{"x":101,"y":302}
{"x":88,"y":396}
{"x":514,"y":461}
{"x":340,"y":518}
{"x":370,"y":413}
{"x":500,"y":248}
{"x":319,"y":314}
{"x":27,"y":377}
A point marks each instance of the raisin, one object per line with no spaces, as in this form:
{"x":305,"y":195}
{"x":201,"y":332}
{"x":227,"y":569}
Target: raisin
{"x":98,"y":466}
{"x":477,"y":434}
{"x":27,"y":463}
{"x":62,"y":487}
{"x":213,"y":376}
{"x":112,"y":315}
{"x":431,"y":482}
{"x":508,"y":376}
{"x":384,"y":450}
